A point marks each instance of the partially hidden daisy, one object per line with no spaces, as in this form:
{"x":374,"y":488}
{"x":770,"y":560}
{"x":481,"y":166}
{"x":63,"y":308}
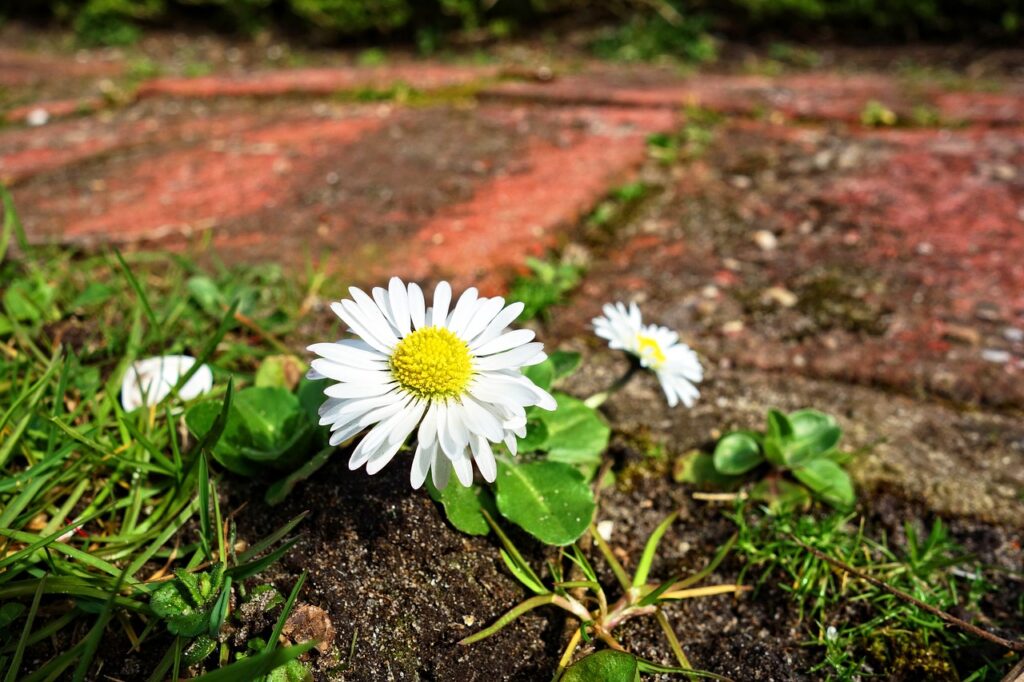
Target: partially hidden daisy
{"x":451,"y":374}
{"x":657,"y":348}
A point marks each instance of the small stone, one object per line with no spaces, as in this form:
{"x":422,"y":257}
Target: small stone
{"x":780,"y":296}
{"x":741,"y":182}
{"x":995,"y":355}
{"x":605,"y":530}
{"x":732,"y":327}
{"x":1004,"y":171}
{"x":925,"y":249}
{"x":308,"y":622}
{"x":731,"y":264}
{"x":710,"y":291}
{"x":1013,"y":334}
{"x":37,"y":117}
{"x":765,"y":240}
{"x":469,"y":620}
{"x":961,"y":334}
{"x":987,"y":311}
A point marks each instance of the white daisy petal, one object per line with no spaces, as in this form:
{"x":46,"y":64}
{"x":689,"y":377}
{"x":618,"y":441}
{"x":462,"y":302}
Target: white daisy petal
{"x":359,"y":390}
{"x":442,"y":299}
{"x":333,"y":370}
{"x":370,"y":315}
{"x":398,"y":295}
{"x":481,"y":421}
{"x":440,"y":469}
{"x":421,"y":462}
{"x":506,"y":342}
{"x":499,"y":323}
{"x":455,"y":436}
{"x":514,"y":358}
{"x":417,"y":307}
{"x":465,"y":307}
{"x":347,"y":354}
{"x":355,"y":323}
{"x":463,"y":466}
{"x":483,"y":316}
{"x":484,"y":458}
{"x":380,"y":298}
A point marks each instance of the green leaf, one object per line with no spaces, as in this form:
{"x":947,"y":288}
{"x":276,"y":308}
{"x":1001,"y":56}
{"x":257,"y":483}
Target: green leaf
{"x":265,"y":426}
{"x":464,"y":506}
{"x":251,"y":667}
{"x":737,"y":453}
{"x":292,"y":671}
{"x":207,"y":295}
{"x":814,"y":433}
{"x":186,"y":602}
{"x":779,"y":426}
{"x":536,"y":432}
{"x":606,"y":665}
{"x":699,"y":468}
{"x":199,"y":649}
{"x":564,"y":363}
{"x":781,"y":495}
{"x":828,"y":481}
{"x":542,"y":374}
{"x":576,"y":434}
{"x":549,"y":500}
{"x":95,"y":294}
{"x":282,"y":371}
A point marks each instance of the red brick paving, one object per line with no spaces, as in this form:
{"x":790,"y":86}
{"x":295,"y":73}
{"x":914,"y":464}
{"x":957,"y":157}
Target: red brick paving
{"x":899,"y":256}
{"x":814,"y":96}
{"x":902,"y":252}
{"x":319,"y":81}
{"x":55,"y":108}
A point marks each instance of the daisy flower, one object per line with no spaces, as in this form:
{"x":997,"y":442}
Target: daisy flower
{"x":149,"y":381}
{"x":658,"y":349}
{"x":451,"y":374}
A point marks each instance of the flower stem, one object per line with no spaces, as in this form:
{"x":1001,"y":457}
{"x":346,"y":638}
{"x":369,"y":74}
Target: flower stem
{"x":595,"y":401}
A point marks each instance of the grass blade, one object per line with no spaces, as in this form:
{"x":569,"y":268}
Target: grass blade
{"x":643,"y":568}
{"x":12,"y":671}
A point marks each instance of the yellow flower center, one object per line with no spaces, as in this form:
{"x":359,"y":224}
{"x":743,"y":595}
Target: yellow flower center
{"x":432,"y":363}
{"x":649,"y":349}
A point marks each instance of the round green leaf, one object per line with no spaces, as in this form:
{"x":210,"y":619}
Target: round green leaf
{"x":549,"y":500}
{"x":266,"y":426}
{"x":564,"y":363}
{"x":464,"y":506}
{"x":737,"y":453}
{"x":576,"y":433}
{"x":814,"y":434}
{"x":606,"y":665}
{"x":827,"y":480}
{"x":542,"y":374}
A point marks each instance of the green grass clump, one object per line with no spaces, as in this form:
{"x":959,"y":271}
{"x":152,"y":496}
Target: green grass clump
{"x":100,"y":510}
{"x":861,"y":627}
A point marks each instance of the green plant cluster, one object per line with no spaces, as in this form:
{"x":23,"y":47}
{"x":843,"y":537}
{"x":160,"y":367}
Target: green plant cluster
{"x":545,"y":286}
{"x":802,"y":444}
